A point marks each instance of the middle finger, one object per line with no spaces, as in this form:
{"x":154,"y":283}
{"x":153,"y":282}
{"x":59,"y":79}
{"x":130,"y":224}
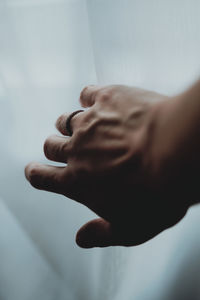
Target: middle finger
{"x":57,"y":148}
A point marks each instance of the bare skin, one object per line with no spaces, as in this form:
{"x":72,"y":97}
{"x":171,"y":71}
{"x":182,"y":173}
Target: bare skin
{"x":133,"y":161}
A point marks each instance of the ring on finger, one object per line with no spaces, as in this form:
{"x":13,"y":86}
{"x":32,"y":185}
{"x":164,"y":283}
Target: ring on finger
{"x":68,"y":121}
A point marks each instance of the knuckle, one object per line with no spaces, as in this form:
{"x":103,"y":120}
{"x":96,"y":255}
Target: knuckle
{"x":77,"y":140}
{"x":58,"y":151}
{"x":104,"y":96}
{"x":61,"y":150}
{"x":87,"y":118}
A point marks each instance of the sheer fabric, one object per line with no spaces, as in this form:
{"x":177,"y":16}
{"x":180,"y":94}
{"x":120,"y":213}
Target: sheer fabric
{"x":49,"y":51}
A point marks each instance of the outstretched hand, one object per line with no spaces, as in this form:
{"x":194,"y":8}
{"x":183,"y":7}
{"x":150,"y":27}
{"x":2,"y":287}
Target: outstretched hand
{"x":112,"y":167}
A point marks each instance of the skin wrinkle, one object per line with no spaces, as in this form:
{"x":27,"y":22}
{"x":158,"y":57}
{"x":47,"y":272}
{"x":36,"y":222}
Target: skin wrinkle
{"x":116,"y":166}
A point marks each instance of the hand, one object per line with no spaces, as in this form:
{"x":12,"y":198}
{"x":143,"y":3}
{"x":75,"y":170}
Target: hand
{"x":111,"y":167}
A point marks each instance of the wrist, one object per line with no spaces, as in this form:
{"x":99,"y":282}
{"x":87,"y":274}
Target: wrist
{"x":174,"y":150}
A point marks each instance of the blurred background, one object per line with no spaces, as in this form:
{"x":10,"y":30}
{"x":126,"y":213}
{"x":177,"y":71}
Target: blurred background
{"x":49,"y":50}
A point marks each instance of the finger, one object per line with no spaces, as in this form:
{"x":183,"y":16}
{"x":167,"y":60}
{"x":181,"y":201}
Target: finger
{"x":74,"y":122}
{"x":48,"y":178}
{"x":88,"y":95}
{"x":57,"y":148}
{"x":96,"y":233}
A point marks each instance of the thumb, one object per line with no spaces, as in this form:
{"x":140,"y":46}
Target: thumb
{"x":96,"y":233}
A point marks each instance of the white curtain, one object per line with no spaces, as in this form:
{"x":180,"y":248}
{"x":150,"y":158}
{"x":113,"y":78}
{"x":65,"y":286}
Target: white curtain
{"x":49,"y":50}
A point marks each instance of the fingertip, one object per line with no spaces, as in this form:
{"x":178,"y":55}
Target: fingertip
{"x":47,"y":144}
{"x":82,"y":103}
{"x":87,"y":98}
{"x":83,"y":237}
{"x":57,"y":122}
{"x":95,"y":233}
{"x":83,"y":243}
{"x":27,"y":170}
{"x":60,"y":123}
{"x":31,"y":173}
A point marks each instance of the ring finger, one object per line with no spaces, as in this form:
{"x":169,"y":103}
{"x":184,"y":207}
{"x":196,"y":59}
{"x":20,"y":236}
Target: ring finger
{"x":74,"y":122}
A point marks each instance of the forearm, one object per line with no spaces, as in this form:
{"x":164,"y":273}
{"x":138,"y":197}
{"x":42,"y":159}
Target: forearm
{"x":178,"y":140}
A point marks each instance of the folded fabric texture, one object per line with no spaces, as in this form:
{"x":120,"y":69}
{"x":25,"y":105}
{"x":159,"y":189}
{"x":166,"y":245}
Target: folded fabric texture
{"x":25,"y":272}
{"x":49,"y":51}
